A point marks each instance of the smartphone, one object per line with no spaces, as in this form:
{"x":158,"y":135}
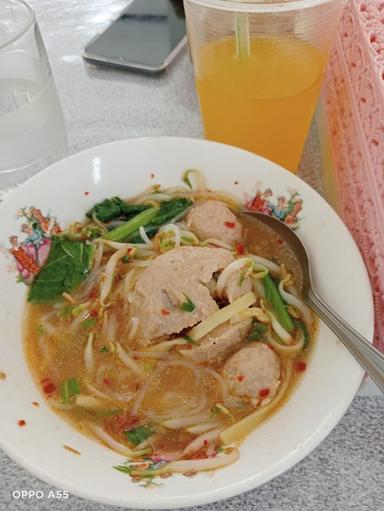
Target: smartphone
{"x":147,"y":36}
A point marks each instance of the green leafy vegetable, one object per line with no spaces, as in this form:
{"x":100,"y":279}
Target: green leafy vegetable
{"x":257,"y":331}
{"x":300,"y":325}
{"x":68,"y":389}
{"x":279,"y":308}
{"x":67,"y":265}
{"x":123,"y":232}
{"x":115,"y":208}
{"x":89,"y":323}
{"x":137,"y":435}
{"x":168,"y":211}
{"x":188,"y":305}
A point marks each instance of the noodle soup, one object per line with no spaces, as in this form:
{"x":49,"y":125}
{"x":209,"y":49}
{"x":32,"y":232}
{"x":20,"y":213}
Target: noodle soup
{"x":167,"y":329}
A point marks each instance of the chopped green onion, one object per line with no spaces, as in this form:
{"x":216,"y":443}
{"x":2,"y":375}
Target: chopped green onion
{"x":189,"y":339}
{"x":187,"y":306}
{"x":125,"y":259}
{"x":68,"y":389}
{"x":40,"y":330}
{"x":66,"y":311}
{"x":104,"y":349}
{"x":137,"y":435}
{"x":257,"y":331}
{"x":273,"y":296}
{"x":89,"y":323}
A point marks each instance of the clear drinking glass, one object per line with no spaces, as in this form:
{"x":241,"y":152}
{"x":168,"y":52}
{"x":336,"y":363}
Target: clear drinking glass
{"x":259,"y":67}
{"x":32,"y":129}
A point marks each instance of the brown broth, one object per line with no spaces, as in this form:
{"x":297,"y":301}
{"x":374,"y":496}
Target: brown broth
{"x":55,"y":357}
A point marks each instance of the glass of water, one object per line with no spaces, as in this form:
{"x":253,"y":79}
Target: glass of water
{"x":32,"y":128}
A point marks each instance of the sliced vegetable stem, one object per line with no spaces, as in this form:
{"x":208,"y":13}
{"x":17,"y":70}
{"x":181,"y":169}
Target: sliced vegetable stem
{"x":124,"y":231}
{"x":277,"y":304}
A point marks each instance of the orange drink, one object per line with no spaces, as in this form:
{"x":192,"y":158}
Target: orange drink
{"x":262,"y":102}
{"x":258,"y":67}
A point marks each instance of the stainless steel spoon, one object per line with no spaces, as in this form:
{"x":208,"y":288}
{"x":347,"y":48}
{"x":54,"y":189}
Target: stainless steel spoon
{"x":369,"y":357}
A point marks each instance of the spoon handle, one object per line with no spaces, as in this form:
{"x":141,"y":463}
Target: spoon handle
{"x":369,"y":357}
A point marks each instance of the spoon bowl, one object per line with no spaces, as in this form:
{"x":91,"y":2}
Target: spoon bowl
{"x":371,"y":359}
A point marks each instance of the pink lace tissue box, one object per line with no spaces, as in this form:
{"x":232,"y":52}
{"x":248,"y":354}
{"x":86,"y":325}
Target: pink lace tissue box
{"x":353,"y":103}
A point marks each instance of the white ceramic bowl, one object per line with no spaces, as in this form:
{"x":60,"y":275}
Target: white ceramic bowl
{"x":327,"y":388}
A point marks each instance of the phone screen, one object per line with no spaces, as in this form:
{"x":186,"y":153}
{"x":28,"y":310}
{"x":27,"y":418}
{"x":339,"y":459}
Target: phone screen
{"x":146,"y":32}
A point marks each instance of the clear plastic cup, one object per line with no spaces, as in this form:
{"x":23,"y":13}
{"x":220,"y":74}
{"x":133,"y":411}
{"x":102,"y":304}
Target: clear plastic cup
{"x":259,"y":66}
{"x":32,"y":128}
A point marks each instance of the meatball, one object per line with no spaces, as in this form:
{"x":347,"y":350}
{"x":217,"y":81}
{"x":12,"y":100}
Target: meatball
{"x":170,"y":279}
{"x":219,"y":343}
{"x":213,"y":219}
{"x":253,"y":372}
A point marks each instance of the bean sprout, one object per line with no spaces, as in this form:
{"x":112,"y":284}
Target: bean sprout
{"x":129,"y":362}
{"x":296,"y":303}
{"x":144,"y":236}
{"x":89,"y":360}
{"x":109,"y":273}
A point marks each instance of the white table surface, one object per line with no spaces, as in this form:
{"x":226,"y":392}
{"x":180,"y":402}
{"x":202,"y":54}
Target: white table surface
{"x":103,"y":105}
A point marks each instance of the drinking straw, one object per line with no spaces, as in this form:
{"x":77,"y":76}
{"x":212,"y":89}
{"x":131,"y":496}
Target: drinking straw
{"x":243,"y":46}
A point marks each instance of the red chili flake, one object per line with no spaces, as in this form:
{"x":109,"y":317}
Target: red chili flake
{"x":94,"y":313}
{"x":241,"y":377}
{"x":86,"y":193}
{"x":93,"y":293}
{"x":35,"y":403}
{"x":240,"y":249}
{"x":205,"y":442}
{"x":152,"y":175}
{"x":165,"y":312}
{"x":107,"y":381}
{"x":21,"y":423}
{"x":280,"y":242}
{"x":49,"y":388}
{"x":230,"y":225}
{"x":264,"y":392}
{"x":300,"y":366}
